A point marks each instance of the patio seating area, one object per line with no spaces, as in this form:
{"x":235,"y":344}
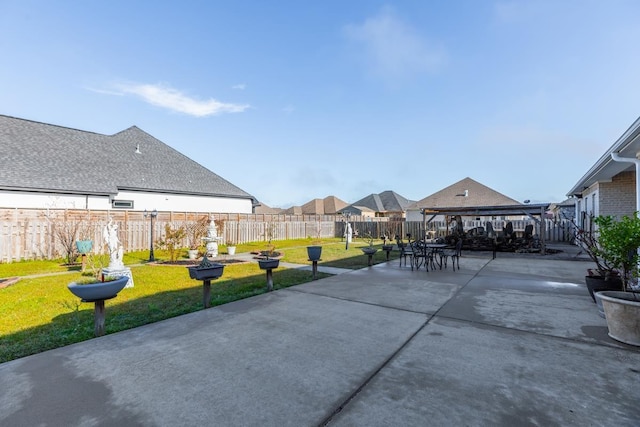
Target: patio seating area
{"x":509,"y":341}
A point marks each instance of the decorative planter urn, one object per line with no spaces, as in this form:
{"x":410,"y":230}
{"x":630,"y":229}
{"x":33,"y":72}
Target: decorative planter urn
{"x":206,"y":271}
{"x":98,"y":291}
{"x":268,"y":264}
{"x":369,"y":250}
{"x":622,"y":311}
{"x":212,"y":270}
{"x":84,"y":246}
{"x":599,"y":283}
{"x":314,"y":252}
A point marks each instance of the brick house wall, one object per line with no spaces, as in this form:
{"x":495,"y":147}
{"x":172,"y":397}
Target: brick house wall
{"x":618,"y":197}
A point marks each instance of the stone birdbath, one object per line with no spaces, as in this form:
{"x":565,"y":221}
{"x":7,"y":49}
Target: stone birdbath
{"x":206,"y":271}
{"x":97,"y":293}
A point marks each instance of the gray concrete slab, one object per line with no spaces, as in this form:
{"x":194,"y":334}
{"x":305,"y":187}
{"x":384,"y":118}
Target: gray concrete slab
{"x":457,"y":373}
{"x":547,"y":307}
{"x":497,"y":343}
{"x":539,"y":268}
{"x":286,"y":358}
{"x":389,"y":286}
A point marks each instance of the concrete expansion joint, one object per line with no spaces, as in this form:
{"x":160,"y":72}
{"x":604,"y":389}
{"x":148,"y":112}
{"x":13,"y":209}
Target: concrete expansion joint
{"x":375,"y":373}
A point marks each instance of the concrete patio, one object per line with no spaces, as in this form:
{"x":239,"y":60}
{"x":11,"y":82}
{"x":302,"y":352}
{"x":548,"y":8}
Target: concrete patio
{"x":509,"y":341}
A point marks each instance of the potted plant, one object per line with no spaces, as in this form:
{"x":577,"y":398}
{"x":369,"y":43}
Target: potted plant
{"x":386,"y":246}
{"x":231,"y":248}
{"x":314,"y":251}
{"x":206,"y":270}
{"x":605,"y":276}
{"x":91,"y":289}
{"x":84,"y":246}
{"x":620,"y":240}
{"x":268,"y":262}
{"x":195,"y":232}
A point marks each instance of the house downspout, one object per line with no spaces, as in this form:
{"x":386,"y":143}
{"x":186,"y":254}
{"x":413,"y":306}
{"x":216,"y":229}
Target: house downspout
{"x":617,"y":158}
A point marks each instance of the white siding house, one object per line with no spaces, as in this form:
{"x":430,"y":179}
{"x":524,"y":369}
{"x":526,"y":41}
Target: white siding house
{"x":47,"y":166}
{"x":610,"y":186}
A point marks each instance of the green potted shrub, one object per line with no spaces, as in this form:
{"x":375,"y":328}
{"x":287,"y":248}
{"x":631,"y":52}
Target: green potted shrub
{"x":619,"y":240}
{"x":605,"y":276}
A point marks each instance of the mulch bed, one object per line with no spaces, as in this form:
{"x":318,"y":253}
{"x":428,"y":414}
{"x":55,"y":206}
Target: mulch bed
{"x":194,"y":262}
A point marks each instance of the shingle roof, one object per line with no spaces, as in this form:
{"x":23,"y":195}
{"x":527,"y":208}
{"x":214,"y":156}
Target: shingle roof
{"x":387,"y":201}
{"x":44,"y":157}
{"x":265,"y":209}
{"x":453,"y":196}
{"x":327,"y":206}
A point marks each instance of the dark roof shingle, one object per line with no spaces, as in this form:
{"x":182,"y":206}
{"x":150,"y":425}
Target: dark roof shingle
{"x":43,"y":157}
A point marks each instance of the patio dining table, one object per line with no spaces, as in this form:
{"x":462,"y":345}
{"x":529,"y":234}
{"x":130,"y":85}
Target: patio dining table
{"x":427,"y":252}
{"x":436,"y":249}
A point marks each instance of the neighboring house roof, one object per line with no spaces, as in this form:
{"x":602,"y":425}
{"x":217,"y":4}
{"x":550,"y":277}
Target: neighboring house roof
{"x":293,"y":210}
{"x":265,"y":209}
{"x":327,"y":206}
{"x":464,"y":193}
{"x":47,"y":158}
{"x":330,"y":205}
{"x":387,"y":201}
{"x":358,"y":210}
{"x":628,"y":146}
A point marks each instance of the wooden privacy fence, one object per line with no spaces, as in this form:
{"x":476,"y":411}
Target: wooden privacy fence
{"x":27,"y":234}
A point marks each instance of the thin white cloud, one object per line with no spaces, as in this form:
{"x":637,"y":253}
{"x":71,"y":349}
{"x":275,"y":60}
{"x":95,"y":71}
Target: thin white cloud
{"x":239,"y":86}
{"x":393,"y":48}
{"x":172,"y":99}
{"x":289,"y":109}
{"x":104,"y":91}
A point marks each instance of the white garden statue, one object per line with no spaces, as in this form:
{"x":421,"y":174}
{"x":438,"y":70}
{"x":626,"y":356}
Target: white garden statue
{"x":110,"y":236}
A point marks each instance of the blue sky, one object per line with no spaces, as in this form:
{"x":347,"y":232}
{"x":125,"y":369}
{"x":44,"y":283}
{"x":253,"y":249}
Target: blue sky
{"x":295,"y":100}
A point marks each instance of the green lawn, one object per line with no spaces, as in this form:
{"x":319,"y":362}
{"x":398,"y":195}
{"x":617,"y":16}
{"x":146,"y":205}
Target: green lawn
{"x":39,"y":313}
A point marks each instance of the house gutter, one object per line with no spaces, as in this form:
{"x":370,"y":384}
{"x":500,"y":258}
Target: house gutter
{"x":616,"y":158}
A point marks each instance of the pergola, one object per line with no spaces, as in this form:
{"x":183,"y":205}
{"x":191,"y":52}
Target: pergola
{"x":535,"y":211}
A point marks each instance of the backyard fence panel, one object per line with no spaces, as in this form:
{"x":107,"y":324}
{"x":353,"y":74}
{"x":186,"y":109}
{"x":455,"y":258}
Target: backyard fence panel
{"x":31,"y":233}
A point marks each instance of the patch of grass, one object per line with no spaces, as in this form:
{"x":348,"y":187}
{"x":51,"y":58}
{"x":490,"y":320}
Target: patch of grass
{"x":334,"y":254}
{"x":40,"y":313}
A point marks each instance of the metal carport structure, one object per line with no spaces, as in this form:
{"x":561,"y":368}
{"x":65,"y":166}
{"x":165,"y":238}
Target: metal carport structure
{"x":535,"y":211}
